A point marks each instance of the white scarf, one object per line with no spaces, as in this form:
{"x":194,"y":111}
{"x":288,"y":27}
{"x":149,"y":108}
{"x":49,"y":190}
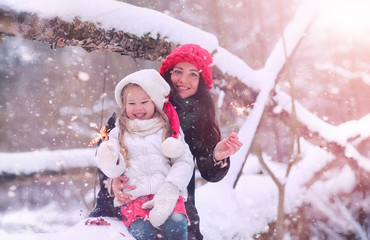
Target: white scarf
{"x":145,"y":127}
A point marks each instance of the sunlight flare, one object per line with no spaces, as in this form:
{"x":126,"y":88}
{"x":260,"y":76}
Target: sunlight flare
{"x":348,"y":16}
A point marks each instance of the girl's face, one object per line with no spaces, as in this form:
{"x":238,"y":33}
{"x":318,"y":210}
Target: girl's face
{"x":138,"y":104}
{"x":185,"y":78}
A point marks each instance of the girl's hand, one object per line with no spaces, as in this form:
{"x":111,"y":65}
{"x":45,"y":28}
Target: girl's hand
{"x":108,"y":151}
{"x":227,"y":147}
{"x":118,"y":185}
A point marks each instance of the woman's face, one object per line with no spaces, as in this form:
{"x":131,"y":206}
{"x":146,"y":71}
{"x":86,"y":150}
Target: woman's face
{"x":138,"y":104}
{"x":185,"y":79}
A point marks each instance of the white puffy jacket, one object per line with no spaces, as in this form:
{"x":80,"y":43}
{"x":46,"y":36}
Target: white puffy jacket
{"x":149,"y":167}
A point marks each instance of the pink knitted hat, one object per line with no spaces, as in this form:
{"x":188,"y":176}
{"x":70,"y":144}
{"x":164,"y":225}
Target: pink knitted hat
{"x":194,"y":54}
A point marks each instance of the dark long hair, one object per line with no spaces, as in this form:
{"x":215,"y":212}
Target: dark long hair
{"x":206,"y":125}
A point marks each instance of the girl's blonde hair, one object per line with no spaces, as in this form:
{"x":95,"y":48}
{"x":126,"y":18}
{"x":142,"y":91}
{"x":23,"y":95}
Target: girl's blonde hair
{"x":124,"y":126}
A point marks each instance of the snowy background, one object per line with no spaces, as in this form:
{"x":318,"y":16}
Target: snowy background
{"x":49,"y":190}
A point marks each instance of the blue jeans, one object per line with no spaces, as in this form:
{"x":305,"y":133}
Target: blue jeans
{"x":174,"y":228}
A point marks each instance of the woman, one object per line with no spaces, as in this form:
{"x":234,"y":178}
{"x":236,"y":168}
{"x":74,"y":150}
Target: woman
{"x":188,"y":70}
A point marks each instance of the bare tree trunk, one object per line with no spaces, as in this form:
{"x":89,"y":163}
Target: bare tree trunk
{"x":280,"y":226}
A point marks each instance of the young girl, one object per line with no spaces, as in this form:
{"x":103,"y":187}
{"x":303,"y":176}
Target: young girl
{"x":146,"y":146}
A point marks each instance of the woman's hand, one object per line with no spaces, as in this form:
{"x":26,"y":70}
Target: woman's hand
{"x":227,"y":147}
{"x":118,"y":185}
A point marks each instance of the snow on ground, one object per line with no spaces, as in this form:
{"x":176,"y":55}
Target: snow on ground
{"x":80,"y":231}
{"x":224,"y":212}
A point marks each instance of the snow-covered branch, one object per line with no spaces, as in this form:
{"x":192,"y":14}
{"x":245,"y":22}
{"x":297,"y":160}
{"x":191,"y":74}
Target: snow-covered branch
{"x":59,"y":33}
{"x":33,"y":162}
